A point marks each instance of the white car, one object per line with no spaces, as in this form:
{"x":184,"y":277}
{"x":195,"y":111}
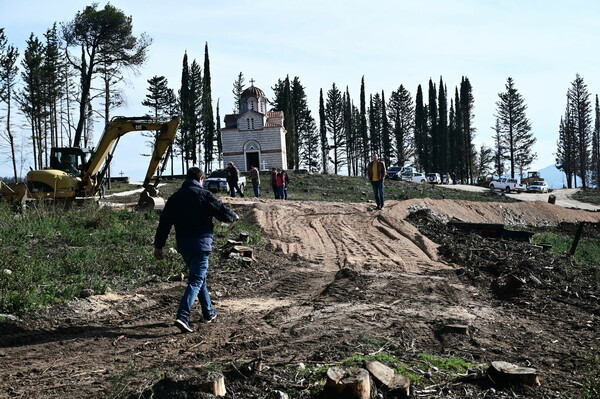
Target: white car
{"x":434,"y":178}
{"x":217,"y":181}
{"x":418,"y":177}
{"x":538,"y":187}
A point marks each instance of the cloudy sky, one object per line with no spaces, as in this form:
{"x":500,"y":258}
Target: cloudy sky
{"x":541,"y":44}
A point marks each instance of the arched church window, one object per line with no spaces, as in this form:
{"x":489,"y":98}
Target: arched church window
{"x":252,"y":123}
{"x":248,"y":123}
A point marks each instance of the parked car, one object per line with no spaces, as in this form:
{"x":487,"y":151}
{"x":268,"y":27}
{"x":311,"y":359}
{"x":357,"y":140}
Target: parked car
{"x":407,"y":174}
{"x":538,"y":187}
{"x":217,"y":181}
{"x":434,"y":178}
{"x":507,"y":185}
{"x":418,"y":177}
{"x":393,"y":172}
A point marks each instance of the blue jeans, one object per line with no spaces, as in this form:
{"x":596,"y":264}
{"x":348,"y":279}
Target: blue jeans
{"x":378,"y":192}
{"x":256,"y":188}
{"x":196,"y":288}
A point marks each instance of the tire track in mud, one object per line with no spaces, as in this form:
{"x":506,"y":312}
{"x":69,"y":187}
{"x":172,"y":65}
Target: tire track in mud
{"x":336,"y":236}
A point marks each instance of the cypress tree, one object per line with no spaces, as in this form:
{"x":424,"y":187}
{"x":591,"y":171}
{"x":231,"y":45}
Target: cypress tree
{"x":434,"y":140}
{"x":208,"y":122}
{"x":421,"y":131}
{"x":386,"y":140}
{"x":184,"y":125}
{"x":467,"y":129}
{"x":290,"y":126}
{"x":363,"y":132}
{"x":323,"y":134}
{"x":443,"y":128}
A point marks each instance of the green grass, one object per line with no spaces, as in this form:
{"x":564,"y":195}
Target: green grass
{"x":588,"y":248}
{"x":49,"y":254}
{"x":590,"y":195}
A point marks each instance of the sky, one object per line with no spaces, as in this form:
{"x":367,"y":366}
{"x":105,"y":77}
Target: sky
{"x":541,"y":44}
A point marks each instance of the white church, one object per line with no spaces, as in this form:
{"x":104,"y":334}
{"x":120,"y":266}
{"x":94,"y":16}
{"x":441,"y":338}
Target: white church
{"x":254,"y":136}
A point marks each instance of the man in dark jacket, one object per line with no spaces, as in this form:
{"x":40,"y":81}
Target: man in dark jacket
{"x":191,"y":210}
{"x":233,"y":176}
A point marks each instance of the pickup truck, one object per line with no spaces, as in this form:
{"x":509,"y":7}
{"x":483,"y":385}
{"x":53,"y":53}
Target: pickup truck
{"x":507,"y":185}
{"x":217,"y":181}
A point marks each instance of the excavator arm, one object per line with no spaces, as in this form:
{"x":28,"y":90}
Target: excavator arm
{"x":95,"y":170}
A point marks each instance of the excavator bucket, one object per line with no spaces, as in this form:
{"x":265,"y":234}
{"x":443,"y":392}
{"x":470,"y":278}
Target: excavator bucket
{"x":14,"y":193}
{"x":150,"y":200}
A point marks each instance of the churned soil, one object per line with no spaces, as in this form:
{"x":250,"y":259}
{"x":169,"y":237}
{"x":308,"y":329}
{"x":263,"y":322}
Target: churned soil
{"x":332,"y":277}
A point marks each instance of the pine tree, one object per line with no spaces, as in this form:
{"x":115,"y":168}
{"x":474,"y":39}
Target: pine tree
{"x":596,"y":146}
{"x":158,"y":96}
{"x":8,"y":74}
{"x":207,"y":117}
{"x":401,"y":114}
{"x":106,"y":35}
{"x":334,"y":115}
{"x":499,"y":150}
{"x":305,"y":127}
{"x":238,"y":89}
{"x":566,"y":148}
{"x":30,"y":97}
{"x":514,"y":128}
{"x":323,"y":134}
{"x":581,"y":114}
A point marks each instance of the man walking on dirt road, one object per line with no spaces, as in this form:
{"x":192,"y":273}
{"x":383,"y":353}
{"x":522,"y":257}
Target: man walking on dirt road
{"x":191,"y":210}
{"x":376,"y":174}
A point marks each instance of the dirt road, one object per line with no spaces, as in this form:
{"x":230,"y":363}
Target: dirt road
{"x":335,"y":279}
{"x":563,"y":196}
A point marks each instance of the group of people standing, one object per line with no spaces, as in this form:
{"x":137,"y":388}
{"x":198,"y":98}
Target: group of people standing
{"x":279,"y":182}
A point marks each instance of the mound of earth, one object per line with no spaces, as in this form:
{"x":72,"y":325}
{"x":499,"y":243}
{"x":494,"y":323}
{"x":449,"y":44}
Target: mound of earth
{"x":335,"y":280}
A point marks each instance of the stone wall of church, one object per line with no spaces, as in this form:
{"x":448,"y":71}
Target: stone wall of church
{"x":271,"y":141}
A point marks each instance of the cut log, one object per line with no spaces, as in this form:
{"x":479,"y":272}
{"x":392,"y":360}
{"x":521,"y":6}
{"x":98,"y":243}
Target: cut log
{"x":347,"y":383}
{"x":244,"y":235}
{"x":243,"y":250}
{"x":508,"y":373}
{"x":457,"y":329}
{"x":214,"y":384}
{"x":395,"y":385}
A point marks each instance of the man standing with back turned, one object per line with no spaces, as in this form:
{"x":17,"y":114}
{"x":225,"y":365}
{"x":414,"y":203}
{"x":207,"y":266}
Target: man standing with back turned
{"x":376,"y":173}
{"x":191,"y":210}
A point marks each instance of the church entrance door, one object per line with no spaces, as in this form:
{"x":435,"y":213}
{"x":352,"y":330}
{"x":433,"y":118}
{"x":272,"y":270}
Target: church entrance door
{"x":252,"y":158}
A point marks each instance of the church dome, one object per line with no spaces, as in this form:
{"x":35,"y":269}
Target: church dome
{"x":253,"y":91}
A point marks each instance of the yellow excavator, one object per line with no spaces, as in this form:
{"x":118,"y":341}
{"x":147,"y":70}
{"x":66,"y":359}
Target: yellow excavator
{"x":79,"y":172}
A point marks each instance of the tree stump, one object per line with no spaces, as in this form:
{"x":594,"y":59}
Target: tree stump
{"x":214,"y":384}
{"x":508,"y":373}
{"x":347,"y":383}
{"x":395,"y":385}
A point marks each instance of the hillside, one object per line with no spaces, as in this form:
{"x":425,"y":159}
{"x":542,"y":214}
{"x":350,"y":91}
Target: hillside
{"x":336,"y":283}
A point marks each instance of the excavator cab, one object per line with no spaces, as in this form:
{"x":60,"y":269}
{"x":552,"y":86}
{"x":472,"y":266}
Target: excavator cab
{"x":71,"y":160}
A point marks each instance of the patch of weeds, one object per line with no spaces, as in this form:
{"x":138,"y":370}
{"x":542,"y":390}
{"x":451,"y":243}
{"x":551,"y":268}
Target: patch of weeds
{"x":591,"y":380}
{"x":121,"y":382}
{"x":375,"y":342}
{"x":451,"y":364}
